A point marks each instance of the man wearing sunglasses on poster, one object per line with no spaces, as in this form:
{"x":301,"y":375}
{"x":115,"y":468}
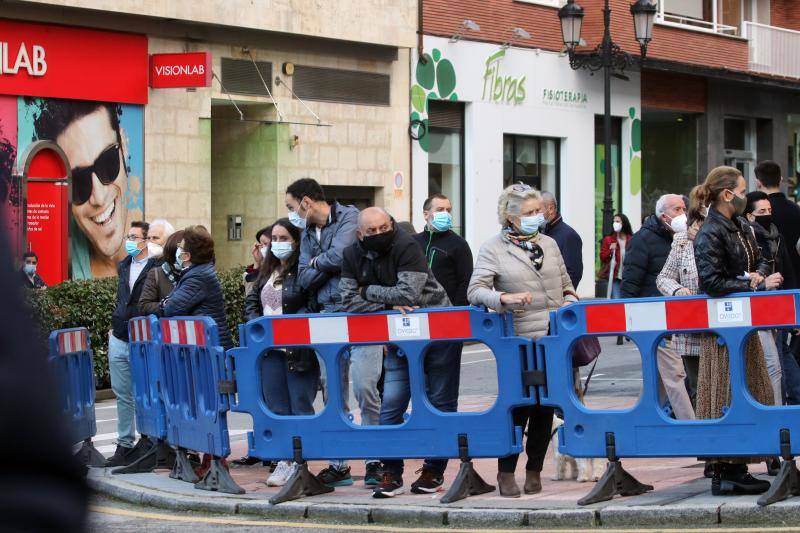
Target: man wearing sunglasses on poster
{"x":95,"y":146}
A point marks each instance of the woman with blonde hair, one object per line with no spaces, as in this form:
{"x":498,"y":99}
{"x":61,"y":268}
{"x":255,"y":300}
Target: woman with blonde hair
{"x":729,"y":261}
{"x":521,"y":270}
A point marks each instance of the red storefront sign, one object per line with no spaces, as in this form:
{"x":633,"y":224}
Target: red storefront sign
{"x":74,"y":63}
{"x":180,"y":70}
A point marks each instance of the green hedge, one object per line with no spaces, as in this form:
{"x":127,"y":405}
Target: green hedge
{"x":90,"y":303}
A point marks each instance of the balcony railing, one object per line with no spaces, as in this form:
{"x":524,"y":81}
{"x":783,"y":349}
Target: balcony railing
{"x":693,"y":23}
{"x":773,"y":50}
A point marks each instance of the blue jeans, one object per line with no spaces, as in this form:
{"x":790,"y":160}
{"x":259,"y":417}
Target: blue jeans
{"x":287,"y":393}
{"x":442,"y":364}
{"x":119,"y":365}
{"x":791,"y":370}
{"x":616,"y":289}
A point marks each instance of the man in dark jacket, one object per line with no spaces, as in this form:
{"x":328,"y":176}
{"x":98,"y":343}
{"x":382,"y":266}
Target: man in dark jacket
{"x":132,"y":272}
{"x":644,"y":260}
{"x":785,"y":213}
{"x":569,"y":242}
{"x":447,"y":253}
{"x":327,"y":230}
{"x":28,"y":276}
{"x":386,"y":269}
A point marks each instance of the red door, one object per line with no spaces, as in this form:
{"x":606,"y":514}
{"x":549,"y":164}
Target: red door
{"x":47,"y":214}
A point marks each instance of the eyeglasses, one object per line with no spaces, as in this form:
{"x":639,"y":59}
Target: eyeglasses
{"x":133,"y":237}
{"x":105,"y":167}
{"x":519,"y":187}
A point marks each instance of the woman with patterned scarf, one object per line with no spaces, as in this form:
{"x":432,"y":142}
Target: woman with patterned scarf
{"x":521,"y":270}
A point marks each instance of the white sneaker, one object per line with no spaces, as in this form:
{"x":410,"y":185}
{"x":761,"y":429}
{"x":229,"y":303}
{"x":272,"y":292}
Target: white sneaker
{"x":281,"y":475}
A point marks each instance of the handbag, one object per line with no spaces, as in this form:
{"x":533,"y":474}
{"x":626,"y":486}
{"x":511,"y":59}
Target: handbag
{"x":584,"y":351}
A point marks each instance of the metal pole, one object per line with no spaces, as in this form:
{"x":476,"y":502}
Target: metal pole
{"x":608,"y":203}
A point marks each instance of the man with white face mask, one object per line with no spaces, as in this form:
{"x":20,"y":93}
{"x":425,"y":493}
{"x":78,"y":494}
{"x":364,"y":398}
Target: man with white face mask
{"x":644,"y":260}
{"x":160,"y":230}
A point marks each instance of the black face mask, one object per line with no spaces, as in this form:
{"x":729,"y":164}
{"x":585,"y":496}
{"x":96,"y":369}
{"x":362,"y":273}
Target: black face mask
{"x":765,"y":221}
{"x":380,"y":243}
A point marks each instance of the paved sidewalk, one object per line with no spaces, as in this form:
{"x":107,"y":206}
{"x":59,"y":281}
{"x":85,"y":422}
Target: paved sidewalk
{"x":681,"y":497}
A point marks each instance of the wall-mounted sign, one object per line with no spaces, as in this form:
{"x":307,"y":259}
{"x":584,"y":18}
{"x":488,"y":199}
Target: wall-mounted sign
{"x":564,"y":97}
{"x":501,"y":88}
{"x":180,"y":70}
{"x":73,"y":63}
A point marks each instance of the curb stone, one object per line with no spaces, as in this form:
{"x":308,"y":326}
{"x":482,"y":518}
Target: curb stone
{"x":623,"y":516}
{"x":566,"y":518}
{"x":288,"y":510}
{"x":340,"y":514}
{"x":410,"y":515}
{"x":469,"y":518}
{"x":786,"y":513}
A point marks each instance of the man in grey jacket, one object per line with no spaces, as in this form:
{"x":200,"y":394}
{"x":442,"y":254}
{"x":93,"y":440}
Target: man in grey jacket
{"x":386,"y":269}
{"x":327,"y":229}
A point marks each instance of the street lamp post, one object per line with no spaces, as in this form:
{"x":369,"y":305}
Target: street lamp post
{"x":613,"y":60}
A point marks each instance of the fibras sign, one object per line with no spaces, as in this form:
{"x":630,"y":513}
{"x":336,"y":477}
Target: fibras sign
{"x":501,"y":88}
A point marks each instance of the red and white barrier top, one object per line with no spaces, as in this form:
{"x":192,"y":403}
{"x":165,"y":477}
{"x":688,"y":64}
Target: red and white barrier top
{"x":73,"y":341}
{"x":678,"y":314}
{"x":190,"y":332}
{"x":371,"y":328}
{"x":140,"y":329}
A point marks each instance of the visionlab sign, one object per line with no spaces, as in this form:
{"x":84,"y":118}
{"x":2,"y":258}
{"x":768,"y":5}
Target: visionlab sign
{"x":180,"y":70}
{"x":74,"y":63}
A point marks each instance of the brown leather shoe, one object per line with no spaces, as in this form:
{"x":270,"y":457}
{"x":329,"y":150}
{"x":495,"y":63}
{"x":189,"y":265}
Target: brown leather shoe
{"x":507,"y":485}
{"x":533,"y":482}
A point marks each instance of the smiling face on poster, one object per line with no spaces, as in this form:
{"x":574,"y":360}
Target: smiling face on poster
{"x":102,"y":143}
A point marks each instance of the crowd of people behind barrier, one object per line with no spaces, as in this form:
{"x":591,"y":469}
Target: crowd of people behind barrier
{"x":327,"y":257}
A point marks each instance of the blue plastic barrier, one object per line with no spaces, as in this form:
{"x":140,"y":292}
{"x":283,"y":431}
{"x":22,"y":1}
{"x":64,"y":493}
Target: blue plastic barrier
{"x":144,"y":335}
{"x":746,"y":429}
{"x":72,"y":365}
{"x":427,"y":432}
{"x":195,"y":384}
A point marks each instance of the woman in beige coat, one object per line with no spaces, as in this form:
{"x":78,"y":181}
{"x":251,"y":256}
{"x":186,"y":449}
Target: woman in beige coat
{"x":522,"y":271}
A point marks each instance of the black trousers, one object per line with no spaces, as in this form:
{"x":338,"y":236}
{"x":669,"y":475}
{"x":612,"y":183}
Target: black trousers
{"x":539,"y":421}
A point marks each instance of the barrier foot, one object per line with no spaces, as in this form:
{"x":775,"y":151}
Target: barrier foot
{"x":183,"y":468}
{"x":787,"y":482}
{"x":302,"y":483}
{"x":218,"y":479}
{"x":160,"y":455}
{"x":615,"y":481}
{"x":89,"y":456}
{"x":467,"y":482}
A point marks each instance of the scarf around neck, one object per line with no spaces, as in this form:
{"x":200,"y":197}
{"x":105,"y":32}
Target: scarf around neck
{"x":527,"y":243}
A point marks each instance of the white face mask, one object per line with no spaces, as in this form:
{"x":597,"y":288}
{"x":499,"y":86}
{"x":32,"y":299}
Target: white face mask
{"x":264,"y":251}
{"x":679,"y":223}
{"x":155,"y":249}
{"x":617,"y":226}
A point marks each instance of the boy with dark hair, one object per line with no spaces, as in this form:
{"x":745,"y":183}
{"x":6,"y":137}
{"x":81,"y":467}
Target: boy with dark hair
{"x":785,"y":213}
{"x":28,"y":276}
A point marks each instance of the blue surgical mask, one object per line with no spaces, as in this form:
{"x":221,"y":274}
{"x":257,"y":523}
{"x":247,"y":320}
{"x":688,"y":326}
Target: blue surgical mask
{"x":281,"y":250}
{"x":530,"y":225}
{"x":178,"y":261}
{"x":29,"y":269}
{"x":132,"y":248}
{"x":296,"y":220}
{"x":442,"y":221}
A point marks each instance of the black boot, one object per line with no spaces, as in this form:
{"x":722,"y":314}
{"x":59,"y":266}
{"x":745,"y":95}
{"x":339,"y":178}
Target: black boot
{"x":734,"y":479}
{"x":773,"y":466}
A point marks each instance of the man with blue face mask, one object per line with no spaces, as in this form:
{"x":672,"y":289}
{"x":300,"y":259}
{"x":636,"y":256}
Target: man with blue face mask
{"x":447,"y":253}
{"x":28,"y":276}
{"x":132,"y":272}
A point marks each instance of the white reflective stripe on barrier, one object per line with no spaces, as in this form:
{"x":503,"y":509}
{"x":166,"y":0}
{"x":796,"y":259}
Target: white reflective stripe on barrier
{"x":183,"y":332}
{"x":371,"y":328}
{"x":72,"y":341}
{"x":692,"y":313}
{"x":140,"y":330}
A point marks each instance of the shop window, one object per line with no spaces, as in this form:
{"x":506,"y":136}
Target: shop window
{"x":669,"y":155}
{"x":600,"y":174}
{"x":534,"y":161}
{"x":446,"y":156}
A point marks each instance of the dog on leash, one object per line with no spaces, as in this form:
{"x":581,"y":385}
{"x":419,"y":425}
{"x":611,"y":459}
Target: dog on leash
{"x":581,"y":470}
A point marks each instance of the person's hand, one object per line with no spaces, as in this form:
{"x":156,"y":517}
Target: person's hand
{"x":567,"y":302}
{"x":516,"y":298}
{"x":613,"y":246}
{"x":683,"y":291}
{"x":755,"y":279}
{"x":773,"y":281}
{"x":404,"y":308}
{"x":256,"y":253}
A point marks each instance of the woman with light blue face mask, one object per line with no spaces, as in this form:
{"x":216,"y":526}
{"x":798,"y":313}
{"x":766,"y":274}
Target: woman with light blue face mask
{"x":521,"y":270}
{"x":289,"y":377}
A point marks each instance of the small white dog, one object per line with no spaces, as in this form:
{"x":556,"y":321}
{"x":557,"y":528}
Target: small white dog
{"x":580,"y":469}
